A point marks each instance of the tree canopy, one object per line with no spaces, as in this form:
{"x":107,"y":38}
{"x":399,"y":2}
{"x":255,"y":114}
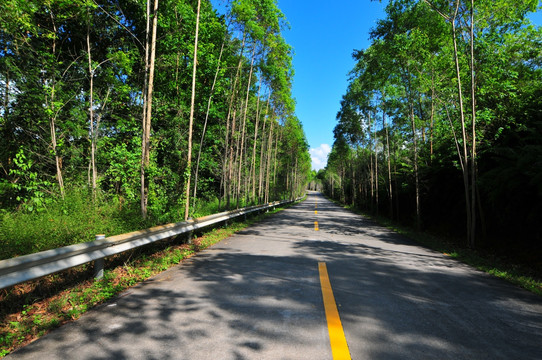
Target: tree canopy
{"x":76,"y":88}
{"x":440,"y":123}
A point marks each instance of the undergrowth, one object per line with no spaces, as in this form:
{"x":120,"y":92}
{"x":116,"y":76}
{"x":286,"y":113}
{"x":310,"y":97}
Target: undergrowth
{"x":78,"y":218}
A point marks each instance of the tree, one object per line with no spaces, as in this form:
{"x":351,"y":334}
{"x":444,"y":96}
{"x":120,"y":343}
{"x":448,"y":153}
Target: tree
{"x":149,"y":82}
{"x":189,"y":162}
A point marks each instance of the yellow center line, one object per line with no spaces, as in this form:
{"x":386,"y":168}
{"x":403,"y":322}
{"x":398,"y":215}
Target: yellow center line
{"x":315,"y":212}
{"x":339,"y":347}
{"x":316,"y":226}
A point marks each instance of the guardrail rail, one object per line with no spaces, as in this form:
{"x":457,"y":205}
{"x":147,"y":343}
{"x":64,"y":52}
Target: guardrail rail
{"x":33,"y":266}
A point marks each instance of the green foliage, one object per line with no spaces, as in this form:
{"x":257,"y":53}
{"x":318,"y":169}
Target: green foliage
{"x":29,"y":190}
{"x":404,"y":133}
{"x":60,"y":59}
{"x":65,"y":222}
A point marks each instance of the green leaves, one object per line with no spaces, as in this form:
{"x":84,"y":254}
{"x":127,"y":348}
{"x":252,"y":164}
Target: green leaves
{"x":404,"y":93}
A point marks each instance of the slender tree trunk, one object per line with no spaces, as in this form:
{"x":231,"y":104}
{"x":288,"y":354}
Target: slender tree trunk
{"x":253,"y":163}
{"x":416,"y":175}
{"x":376,"y":168}
{"x":145,"y":147}
{"x":473,"y":153}
{"x":233,"y":160}
{"x":278,"y":137}
{"x":465,"y":168}
{"x":6,"y":95}
{"x":268,"y":162}
{"x":91,"y":114}
{"x":244,"y":126}
{"x":205,"y":125}
{"x":262,"y":159}
{"x":144,"y":192}
{"x":432,"y":117}
{"x":469,"y":182}
{"x":354,"y":185}
{"x":294,"y":183}
{"x":332,"y":185}
{"x":371,"y":170}
{"x":228,"y":153}
{"x":390,"y":187}
{"x":192,"y":103}
{"x":52,"y":120}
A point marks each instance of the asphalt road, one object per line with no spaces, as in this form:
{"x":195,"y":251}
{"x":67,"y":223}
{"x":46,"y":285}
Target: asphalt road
{"x":257,"y":295}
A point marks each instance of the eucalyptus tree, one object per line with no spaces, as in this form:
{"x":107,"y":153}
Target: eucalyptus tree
{"x":470,"y":23}
{"x":414,"y":73}
{"x":192,"y":102}
{"x":278,"y":72}
{"x":79,"y":91}
{"x":219,"y":69}
{"x":150,"y":56}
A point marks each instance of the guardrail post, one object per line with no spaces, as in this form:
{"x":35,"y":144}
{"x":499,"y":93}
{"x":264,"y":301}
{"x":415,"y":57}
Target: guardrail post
{"x":99,"y":263}
{"x":189,"y":236}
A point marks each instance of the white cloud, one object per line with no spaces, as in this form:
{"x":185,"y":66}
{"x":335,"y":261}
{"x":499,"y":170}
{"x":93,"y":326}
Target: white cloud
{"x":319,"y":156}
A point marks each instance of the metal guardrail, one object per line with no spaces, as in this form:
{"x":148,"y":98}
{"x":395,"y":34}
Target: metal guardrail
{"x":29,"y":267}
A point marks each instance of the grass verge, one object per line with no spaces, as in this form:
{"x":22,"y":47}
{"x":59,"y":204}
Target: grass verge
{"x":30,"y":310}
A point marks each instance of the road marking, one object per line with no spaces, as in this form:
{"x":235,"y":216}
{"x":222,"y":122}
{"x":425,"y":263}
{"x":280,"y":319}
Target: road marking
{"x":316,"y":226}
{"x":315,"y":212}
{"x":339,"y":347}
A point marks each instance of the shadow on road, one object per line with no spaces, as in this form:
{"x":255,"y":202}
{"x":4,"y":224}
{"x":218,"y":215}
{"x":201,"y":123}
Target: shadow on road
{"x":257,"y":296}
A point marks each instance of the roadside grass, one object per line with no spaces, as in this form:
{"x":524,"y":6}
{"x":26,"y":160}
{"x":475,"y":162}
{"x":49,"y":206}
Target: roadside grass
{"x":74,"y":220}
{"x":519,"y":274}
{"x":30,"y":310}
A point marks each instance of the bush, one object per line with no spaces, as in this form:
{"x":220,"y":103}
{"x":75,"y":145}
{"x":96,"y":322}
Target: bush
{"x":75,"y":219}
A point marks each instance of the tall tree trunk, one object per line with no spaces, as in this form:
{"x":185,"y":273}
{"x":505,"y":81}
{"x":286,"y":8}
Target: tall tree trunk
{"x":205,"y":125}
{"x":464,"y":156}
{"x":192,"y":102}
{"x":432,"y":116}
{"x":52,"y":120}
{"x":371,"y":170}
{"x":390,"y":187}
{"x":278,"y":137}
{"x":93,"y":130}
{"x":6,"y":94}
{"x":473,"y":153}
{"x":228,"y":153}
{"x":468,"y":168}
{"x":376,"y":169}
{"x":145,"y":144}
{"x":268,"y":161}
{"x":244,"y":126}
{"x":262,"y":159}
{"x":232,"y":160}
{"x":253,"y":163}
{"x":416,"y":175}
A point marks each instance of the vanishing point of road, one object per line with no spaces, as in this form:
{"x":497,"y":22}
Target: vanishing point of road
{"x":311,"y":282}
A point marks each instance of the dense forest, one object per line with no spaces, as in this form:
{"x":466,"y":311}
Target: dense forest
{"x":441,"y":124}
{"x":134,"y":109}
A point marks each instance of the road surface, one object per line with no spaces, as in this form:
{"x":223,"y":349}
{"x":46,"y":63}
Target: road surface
{"x":258,"y":295}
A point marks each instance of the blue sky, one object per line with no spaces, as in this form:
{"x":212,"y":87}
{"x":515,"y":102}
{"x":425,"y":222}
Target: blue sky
{"x":324,"y":35}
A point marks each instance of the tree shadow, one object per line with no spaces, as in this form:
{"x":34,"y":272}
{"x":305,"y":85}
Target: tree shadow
{"x":258,"y":296}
